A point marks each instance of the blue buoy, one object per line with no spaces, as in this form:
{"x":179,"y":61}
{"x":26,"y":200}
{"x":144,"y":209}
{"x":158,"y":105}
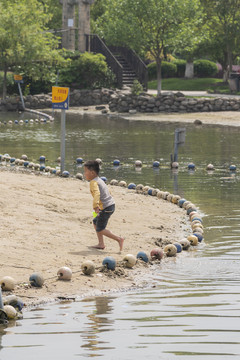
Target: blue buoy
{"x":132,"y":186}
{"x":36,"y":280}
{"x":232,"y":168}
{"x":104,"y":178}
{"x":65,"y":173}
{"x":79,"y":160}
{"x":190,"y":210}
{"x":1,"y":157}
{"x":179,"y":247}
{"x":15,"y":121}
{"x":26,"y":121}
{"x":197,"y":218}
{"x":42,"y":168}
{"x":26,"y":163}
{"x":109,"y":262}
{"x":199,"y":236}
{"x":42,"y":158}
{"x":150,"y":192}
{"x":156,"y":164}
{"x":181,"y":202}
{"x":191,"y":166}
{"x":116,"y":162}
{"x":142,"y":256}
{"x":53,"y":171}
{"x":12,"y":160}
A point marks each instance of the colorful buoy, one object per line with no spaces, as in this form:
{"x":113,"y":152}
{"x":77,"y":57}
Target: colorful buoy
{"x":156,"y":253}
{"x":114,"y":182}
{"x":36,"y":280}
{"x":64,"y":273}
{"x":132,"y":186}
{"x":210,"y":167}
{"x":185,"y":244}
{"x":181,"y":202}
{"x":232,"y":168}
{"x":178,"y":246}
{"x":88,"y":267}
{"x":7,"y":283}
{"x":170,"y":250}
{"x":156,"y":164}
{"x":104,"y":178}
{"x":129,"y":260}
{"x":109,"y":262}
{"x":141,"y":255}
{"x":138,"y":163}
{"x":199,"y":236}
{"x":191,"y":166}
{"x":193,"y":240}
{"x":116,"y":162}
{"x":79,"y":160}
{"x":10,"y":311}
{"x":42,"y":158}
{"x":65,"y":174}
{"x":122,"y":183}
{"x":79,"y":176}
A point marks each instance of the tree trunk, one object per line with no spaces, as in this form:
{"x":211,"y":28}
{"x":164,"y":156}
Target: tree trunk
{"x":4,"y":82}
{"x":189,"y":71}
{"x":159,"y":76}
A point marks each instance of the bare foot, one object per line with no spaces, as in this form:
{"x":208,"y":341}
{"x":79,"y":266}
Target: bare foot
{"x":97,"y":247}
{"x":121,"y":241}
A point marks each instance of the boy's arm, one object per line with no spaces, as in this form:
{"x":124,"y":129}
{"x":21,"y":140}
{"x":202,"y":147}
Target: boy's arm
{"x":95,"y":193}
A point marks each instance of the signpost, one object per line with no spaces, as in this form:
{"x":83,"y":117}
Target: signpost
{"x":60,"y":100}
{"x":19,"y":80}
{"x":179,"y":139}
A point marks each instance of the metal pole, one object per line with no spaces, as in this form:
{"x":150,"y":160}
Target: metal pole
{"x":63,"y":132}
{"x":175,"y":157}
{"x":21,"y":95}
{"x":1,"y":302}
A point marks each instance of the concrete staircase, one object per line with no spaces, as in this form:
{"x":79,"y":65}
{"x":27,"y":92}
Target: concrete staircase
{"x":129,"y":74}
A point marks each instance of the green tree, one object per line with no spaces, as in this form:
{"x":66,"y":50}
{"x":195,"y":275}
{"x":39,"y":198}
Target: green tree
{"x":223,"y":20}
{"x":147,"y":26}
{"x":26,"y":46}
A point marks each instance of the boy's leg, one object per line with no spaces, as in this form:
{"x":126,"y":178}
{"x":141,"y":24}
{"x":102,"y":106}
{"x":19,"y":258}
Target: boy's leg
{"x":100,"y":244}
{"x":110,"y":235}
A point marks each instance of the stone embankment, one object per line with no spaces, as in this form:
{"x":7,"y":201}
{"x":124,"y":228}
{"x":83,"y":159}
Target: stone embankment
{"x":171,"y":102}
{"x":124,"y":102}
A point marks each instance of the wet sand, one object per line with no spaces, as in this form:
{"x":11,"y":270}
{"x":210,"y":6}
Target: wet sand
{"x":46,"y":223}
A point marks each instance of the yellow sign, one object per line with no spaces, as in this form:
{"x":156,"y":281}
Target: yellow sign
{"x":18,"y":77}
{"x":60,"y":97}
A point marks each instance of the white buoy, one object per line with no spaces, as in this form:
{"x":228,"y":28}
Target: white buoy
{"x":122,"y":183}
{"x":193,"y":240}
{"x":64,"y":273}
{"x":88,"y":267}
{"x":114,"y":182}
{"x":138,"y":163}
{"x":129,"y":260}
{"x":10,"y":311}
{"x":7,"y":283}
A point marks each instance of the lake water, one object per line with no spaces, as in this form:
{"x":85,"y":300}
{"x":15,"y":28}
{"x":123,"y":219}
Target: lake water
{"x":193,"y":310}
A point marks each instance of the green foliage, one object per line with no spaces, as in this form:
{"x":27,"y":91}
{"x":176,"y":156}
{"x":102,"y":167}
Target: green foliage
{"x":181,"y":66}
{"x":86,"y":71}
{"x":196,"y":84}
{"x":168,"y":70}
{"x":137,"y":88}
{"x":205,"y":68}
{"x":10,"y":83}
{"x":25,"y":46}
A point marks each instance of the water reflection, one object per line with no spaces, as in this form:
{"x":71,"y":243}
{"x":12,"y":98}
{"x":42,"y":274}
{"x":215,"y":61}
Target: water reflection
{"x":193,"y":311}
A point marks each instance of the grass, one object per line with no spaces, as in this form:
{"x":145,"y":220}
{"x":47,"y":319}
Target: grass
{"x":196,"y":84}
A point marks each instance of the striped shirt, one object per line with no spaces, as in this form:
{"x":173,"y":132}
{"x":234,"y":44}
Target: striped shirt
{"x":101,"y":195}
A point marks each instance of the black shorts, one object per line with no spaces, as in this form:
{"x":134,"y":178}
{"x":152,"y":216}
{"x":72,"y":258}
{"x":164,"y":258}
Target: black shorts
{"x":103,"y":216}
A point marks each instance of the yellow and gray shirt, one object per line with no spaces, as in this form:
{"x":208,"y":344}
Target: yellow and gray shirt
{"x":101,"y":195}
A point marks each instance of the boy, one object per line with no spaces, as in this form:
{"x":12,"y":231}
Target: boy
{"x":103,"y":204}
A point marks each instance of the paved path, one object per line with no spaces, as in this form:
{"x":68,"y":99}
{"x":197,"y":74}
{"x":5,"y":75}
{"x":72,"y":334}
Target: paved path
{"x":196,"y":93}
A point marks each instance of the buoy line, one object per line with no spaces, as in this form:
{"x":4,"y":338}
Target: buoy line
{"x":109,"y":264}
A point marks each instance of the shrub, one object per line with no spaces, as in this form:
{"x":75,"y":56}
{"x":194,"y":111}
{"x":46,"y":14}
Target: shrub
{"x":205,"y":68}
{"x":86,"y":71}
{"x":168,"y":70}
{"x":181,"y":66}
{"x":137,"y":88}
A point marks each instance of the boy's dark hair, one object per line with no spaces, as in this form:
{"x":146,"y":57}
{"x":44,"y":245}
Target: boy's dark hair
{"x":92,"y":165}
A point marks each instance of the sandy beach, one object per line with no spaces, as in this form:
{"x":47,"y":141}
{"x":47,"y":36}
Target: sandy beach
{"x":46,"y":223}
